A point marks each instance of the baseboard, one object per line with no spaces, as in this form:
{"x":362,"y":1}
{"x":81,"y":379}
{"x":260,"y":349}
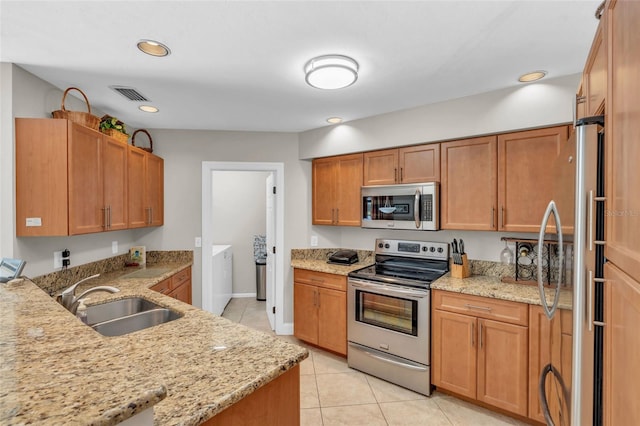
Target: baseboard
{"x":241,"y":295}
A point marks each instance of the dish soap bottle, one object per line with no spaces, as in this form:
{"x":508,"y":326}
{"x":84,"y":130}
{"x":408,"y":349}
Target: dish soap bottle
{"x":81,"y":312}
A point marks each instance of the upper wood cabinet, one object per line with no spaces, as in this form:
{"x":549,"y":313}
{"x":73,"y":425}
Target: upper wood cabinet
{"x":336,"y":190}
{"x":70,"y":180}
{"x":622,"y":127}
{"x":595,"y":73}
{"x":146,"y":188}
{"x":468,"y":194}
{"x":412,"y":164}
{"x":527,"y":179}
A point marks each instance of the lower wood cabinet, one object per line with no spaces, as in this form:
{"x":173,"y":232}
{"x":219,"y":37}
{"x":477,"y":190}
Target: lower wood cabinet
{"x":320,"y":309}
{"x":480,"y":349}
{"x":177,"y":286}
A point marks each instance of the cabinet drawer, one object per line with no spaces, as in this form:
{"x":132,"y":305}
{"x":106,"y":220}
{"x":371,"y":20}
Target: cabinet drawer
{"x":163,"y":286}
{"x":180,"y":277}
{"x":320,"y":279}
{"x":482,"y":307}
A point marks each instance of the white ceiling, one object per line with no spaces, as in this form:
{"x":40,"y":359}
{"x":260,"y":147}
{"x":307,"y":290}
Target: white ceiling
{"x":238,"y":65}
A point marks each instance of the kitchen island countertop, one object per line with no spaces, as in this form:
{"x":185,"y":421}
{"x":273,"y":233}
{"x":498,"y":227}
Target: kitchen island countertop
{"x":56,"y":370}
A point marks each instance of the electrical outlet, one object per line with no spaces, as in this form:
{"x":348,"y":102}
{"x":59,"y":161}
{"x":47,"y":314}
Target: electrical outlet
{"x":114,"y":247}
{"x":57,"y":259}
{"x":198,"y":242}
{"x":314,"y":241}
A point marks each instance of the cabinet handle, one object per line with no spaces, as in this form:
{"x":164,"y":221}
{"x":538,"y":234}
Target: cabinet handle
{"x":319,"y":300}
{"x":473,"y":334}
{"x":395,"y":174}
{"x":109,"y":216}
{"x":337,"y":215}
{"x":104,"y":217}
{"x":578,"y":100}
{"x":502,"y":216}
{"x":401,"y":175}
{"x":480,"y":337}
{"x":493,"y":217}
{"x":482,"y":308}
{"x":151,"y":216}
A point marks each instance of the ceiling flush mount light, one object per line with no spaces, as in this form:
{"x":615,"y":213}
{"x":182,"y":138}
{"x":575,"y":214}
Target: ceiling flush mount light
{"x":531,"y":76}
{"x":331,"y":72}
{"x":148,"y":108}
{"x":334,"y":120}
{"x":153,"y":48}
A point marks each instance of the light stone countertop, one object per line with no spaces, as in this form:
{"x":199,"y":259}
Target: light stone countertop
{"x":56,"y":370}
{"x":316,"y":260}
{"x":489,"y":286}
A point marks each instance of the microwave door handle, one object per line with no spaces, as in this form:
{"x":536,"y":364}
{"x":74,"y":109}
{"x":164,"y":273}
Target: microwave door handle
{"x":416,"y":208}
{"x":551,"y":209}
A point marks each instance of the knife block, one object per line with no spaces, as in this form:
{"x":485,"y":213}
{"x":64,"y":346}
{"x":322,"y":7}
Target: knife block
{"x":461,"y":271}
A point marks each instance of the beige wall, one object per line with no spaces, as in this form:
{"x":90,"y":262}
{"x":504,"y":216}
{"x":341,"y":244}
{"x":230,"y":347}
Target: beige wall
{"x":239,"y":213}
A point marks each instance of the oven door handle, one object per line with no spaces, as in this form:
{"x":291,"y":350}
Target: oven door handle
{"x":389,"y":361}
{"x":383,"y":289}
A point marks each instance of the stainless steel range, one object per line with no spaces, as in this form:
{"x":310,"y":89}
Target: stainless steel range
{"x":388,"y":312}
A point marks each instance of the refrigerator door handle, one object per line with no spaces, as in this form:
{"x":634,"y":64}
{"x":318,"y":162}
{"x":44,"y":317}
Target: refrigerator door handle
{"x":551,"y":209}
{"x":542,"y":391}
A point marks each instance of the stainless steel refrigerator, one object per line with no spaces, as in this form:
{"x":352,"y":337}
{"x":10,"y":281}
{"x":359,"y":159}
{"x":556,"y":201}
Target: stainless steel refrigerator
{"x":584,"y":151}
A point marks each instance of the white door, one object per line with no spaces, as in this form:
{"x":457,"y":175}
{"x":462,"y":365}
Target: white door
{"x":271,"y":232}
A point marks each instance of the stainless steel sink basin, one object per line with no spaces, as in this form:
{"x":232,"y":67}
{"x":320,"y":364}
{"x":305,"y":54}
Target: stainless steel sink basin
{"x":135,"y":322}
{"x":125,"y":316}
{"x":118,"y":309}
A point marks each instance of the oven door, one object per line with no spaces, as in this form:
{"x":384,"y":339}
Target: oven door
{"x":389,"y":318}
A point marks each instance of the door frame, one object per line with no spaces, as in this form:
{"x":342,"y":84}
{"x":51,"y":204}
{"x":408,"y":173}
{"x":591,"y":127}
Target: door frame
{"x":208,"y":167}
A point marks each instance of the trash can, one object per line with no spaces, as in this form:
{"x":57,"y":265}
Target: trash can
{"x":261,"y":279}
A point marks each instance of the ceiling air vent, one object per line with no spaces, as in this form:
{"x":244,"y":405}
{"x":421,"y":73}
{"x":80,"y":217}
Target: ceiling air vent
{"x":130,"y":93}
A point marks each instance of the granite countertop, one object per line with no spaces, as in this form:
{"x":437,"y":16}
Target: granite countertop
{"x":490,"y":286}
{"x":316,"y":260}
{"x":56,"y":370}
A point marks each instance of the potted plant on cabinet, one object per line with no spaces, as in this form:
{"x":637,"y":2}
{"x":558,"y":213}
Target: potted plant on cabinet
{"x":114,"y":128}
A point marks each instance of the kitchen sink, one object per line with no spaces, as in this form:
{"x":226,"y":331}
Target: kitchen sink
{"x":118,"y":309}
{"x":125,"y":316}
{"x":135,"y":322}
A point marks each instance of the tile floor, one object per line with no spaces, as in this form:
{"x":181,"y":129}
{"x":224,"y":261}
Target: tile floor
{"x":331,"y":393}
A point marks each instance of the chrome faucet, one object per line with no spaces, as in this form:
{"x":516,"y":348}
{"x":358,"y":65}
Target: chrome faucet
{"x":68,"y":297}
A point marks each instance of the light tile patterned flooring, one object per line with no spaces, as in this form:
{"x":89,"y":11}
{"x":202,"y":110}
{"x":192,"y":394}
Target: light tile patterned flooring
{"x":331,"y":393}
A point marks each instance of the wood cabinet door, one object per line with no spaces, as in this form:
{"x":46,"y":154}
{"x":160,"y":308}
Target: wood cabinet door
{"x":468,"y":196}
{"x":182,"y":292}
{"x":86,"y":207}
{"x":305,"y":312}
{"x":155,"y":189}
{"x":453,"y":352}
{"x":621,"y":347}
{"x":419,"y":163}
{"x":136,"y":182}
{"x":41,"y":177}
{"x":332,"y":320}
{"x":502,"y":365}
{"x":526,"y":176}
{"x":324,"y":175}
{"x":381,"y":167}
{"x":622,"y":127}
{"x":595,"y":73}
{"x":114,"y":160}
{"x":349,"y":182}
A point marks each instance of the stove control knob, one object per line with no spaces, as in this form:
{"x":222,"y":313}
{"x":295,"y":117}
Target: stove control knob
{"x":440,"y":249}
{"x":432,"y":249}
{"x":380,"y":245}
{"x":387,"y":246}
{"x":425,"y":248}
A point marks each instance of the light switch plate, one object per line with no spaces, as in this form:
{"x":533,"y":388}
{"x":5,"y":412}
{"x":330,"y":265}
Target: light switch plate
{"x":114,"y":247}
{"x":314,"y":241}
{"x":198,"y":242}
{"x":57,"y":259}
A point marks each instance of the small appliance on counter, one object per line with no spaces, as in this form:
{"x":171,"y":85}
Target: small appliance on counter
{"x":138,"y":255}
{"x":10,"y":269}
{"x":343,"y":257}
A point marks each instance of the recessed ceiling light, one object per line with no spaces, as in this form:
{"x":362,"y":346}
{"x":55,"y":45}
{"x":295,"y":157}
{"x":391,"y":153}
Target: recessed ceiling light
{"x":531,"y":76}
{"x":153,"y":48}
{"x":331,"y":72}
{"x":148,"y":108}
{"x":334,"y":120}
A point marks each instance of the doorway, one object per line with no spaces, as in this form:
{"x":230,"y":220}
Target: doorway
{"x":274,"y":216}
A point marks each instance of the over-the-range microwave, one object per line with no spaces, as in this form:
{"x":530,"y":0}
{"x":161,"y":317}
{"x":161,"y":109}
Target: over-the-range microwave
{"x":408,"y":206}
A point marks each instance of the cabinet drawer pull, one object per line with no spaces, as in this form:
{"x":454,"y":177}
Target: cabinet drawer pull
{"x":482,"y":308}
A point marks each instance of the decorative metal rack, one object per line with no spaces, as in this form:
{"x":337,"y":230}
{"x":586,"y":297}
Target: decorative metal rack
{"x":526,"y":260}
